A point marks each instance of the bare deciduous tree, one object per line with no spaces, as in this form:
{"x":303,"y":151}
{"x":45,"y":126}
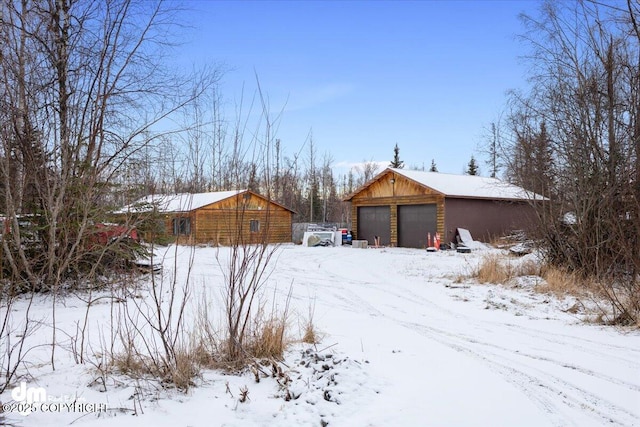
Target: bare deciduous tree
{"x":366,"y":171}
{"x":82,"y":88}
{"x":580,"y":129}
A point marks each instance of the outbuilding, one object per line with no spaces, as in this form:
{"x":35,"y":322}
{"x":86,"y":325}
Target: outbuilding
{"x":402,"y":207}
{"x":219,"y":218}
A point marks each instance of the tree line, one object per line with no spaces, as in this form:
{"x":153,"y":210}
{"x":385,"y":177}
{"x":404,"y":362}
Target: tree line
{"x":574,"y":137}
{"x":92,"y":117}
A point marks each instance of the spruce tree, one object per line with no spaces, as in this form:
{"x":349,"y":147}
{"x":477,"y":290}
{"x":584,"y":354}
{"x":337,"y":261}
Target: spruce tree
{"x":472,"y":167}
{"x":396,"y":162}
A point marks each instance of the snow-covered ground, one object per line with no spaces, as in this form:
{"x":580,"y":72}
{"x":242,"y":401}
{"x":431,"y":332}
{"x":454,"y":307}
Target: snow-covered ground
{"x":406,"y":342}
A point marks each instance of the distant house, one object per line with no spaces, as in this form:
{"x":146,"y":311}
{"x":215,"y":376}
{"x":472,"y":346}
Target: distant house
{"x":402,"y":206}
{"x":219,"y":218}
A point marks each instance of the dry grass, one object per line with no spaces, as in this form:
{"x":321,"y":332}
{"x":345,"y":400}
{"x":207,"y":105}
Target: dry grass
{"x":269,"y":340}
{"x":207,"y":347}
{"x":310,"y":335}
{"x":132,"y":364}
{"x":179,"y":372}
{"x":560,"y":282}
{"x":206,"y":338}
{"x":500,"y":269}
{"x":493,"y":270}
{"x":206,"y":354}
{"x":613,"y":304}
{"x":184,"y":369}
{"x":528,"y":267}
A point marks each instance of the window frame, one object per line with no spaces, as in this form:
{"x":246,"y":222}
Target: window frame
{"x":181,"y":226}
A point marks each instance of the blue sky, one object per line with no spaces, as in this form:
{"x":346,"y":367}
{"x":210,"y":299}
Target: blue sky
{"x":365,"y":75}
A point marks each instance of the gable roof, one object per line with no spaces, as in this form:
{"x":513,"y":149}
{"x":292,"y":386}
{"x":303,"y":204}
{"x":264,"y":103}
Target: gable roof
{"x":181,"y":202}
{"x":185,"y":202}
{"x":462,"y":186}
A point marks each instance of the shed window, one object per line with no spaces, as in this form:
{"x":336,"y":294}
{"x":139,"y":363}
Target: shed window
{"x":181,"y":226}
{"x":254,"y":225}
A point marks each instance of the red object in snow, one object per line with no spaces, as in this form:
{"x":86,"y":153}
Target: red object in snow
{"x":105,"y":233}
{"x":433,"y":245}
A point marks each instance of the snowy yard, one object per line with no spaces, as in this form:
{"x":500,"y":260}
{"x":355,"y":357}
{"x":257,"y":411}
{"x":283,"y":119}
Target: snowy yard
{"x":406,"y":342}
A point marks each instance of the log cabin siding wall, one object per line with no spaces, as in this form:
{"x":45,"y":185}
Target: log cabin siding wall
{"x":229,"y":221}
{"x":226,"y":226}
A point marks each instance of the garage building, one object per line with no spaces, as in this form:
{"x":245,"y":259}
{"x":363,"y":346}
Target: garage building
{"x":402,"y":207}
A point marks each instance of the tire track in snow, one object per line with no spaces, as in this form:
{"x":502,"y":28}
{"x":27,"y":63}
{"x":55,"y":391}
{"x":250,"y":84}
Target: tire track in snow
{"x":414,"y":298}
{"x":490,"y":346}
{"x":583,"y":344}
{"x":542,"y":387}
{"x":547,"y":405}
{"x":552,"y":386}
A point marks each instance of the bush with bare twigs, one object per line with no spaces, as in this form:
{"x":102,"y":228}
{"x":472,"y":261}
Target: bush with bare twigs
{"x":574,"y":139}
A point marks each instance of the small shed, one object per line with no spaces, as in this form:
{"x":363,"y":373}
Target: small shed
{"x":219,"y":218}
{"x":402,"y":207}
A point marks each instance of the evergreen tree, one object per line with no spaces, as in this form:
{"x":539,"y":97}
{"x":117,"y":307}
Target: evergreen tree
{"x":472,"y":167}
{"x":532,"y":165}
{"x":315,"y":202}
{"x":396,"y":162}
{"x":433,"y":167}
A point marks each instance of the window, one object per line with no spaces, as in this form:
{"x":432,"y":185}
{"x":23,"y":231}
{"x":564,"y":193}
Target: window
{"x":254,"y":225}
{"x":181,"y":226}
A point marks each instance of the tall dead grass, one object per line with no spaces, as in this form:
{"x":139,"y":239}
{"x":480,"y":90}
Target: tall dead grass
{"x":492,"y":270}
{"x":310,"y":333}
{"x":613,"y":303}
{"x":204,"y":348}
{"x":560,"y":282}
{"x":179,"y":373}
{"x":269,"y":339}
{"x":499,"y":269}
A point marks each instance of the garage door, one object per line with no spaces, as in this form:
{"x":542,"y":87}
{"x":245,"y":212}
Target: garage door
{"x":374,"y":221}
{"x":414,"y":222}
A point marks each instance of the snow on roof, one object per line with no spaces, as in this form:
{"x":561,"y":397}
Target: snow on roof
{"x":183,"y":202}
{"x":468,"y":185}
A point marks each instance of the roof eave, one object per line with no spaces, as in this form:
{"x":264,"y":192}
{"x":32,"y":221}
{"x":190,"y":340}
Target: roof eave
{"x":506,"y":199}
